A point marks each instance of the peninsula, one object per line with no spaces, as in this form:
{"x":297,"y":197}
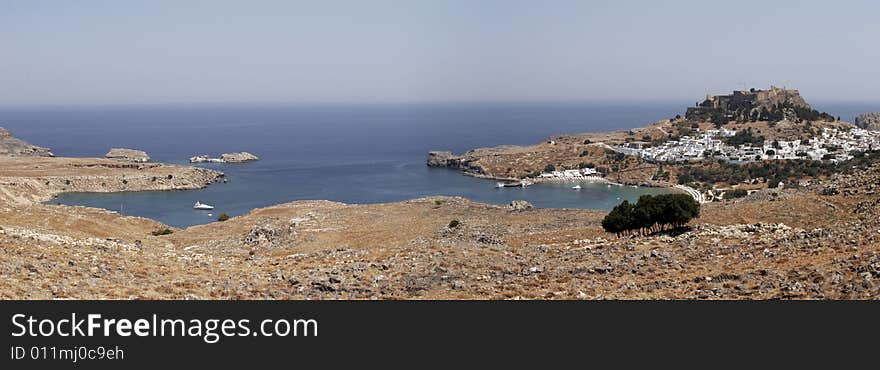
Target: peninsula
{"x":726,"y":144}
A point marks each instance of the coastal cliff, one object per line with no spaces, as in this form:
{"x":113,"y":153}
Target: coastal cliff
{"x":25,"y":181}
{"x":450,"y":160}
{"x":12,"y":146}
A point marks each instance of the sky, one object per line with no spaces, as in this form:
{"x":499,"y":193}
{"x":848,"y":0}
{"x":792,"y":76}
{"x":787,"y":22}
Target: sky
{"x":90,"y":52}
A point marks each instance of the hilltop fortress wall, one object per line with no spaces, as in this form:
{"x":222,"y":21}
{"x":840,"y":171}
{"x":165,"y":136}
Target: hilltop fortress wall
{"x":746,"y":102}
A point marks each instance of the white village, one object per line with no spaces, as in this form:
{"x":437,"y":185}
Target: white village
{"x":832,"y":145}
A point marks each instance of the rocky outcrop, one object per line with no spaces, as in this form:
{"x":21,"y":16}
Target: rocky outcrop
{"x":239,"y":157}
{"x":868,"y":121}
{"x":519,"y":205}
{"x":447,"y":159}
{"x":13,"y":147}
{"x":439,"y":158}
{"x":748,"y":104}
{"x":128,"y":155}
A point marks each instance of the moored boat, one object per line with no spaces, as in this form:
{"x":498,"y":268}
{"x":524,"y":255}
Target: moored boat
{"x":202,"y":206}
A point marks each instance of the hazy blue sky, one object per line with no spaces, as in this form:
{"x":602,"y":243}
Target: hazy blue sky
{"x":133,"y":52}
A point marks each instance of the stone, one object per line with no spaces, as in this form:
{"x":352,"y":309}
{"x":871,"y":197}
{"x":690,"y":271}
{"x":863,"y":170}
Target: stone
{"x":127,"y":155}
{"x":519,"y":205}
{"x":263,"y":234}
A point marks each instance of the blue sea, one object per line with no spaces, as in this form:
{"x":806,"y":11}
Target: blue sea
{"x":347,"y":153}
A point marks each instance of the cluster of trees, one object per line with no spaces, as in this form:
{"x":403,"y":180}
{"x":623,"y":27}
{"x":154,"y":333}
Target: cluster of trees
{"x":651,"y":214}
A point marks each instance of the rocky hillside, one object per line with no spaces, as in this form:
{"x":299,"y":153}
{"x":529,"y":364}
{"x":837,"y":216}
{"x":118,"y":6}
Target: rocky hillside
{"x":14,"y":147}
{"x":869,"y":121}
{"x":775,"y":104}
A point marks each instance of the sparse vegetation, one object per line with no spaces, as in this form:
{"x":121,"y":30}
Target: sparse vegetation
{"x":735,"y":193}
{"x":223,"y":217}
{"x":164,"y":231}
{"x":453,"y":224}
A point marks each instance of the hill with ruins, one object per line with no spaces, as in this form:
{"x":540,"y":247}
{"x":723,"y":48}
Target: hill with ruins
{"x":755,"y":120}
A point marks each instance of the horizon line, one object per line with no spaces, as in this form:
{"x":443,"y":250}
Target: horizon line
{"x":268,"y":104}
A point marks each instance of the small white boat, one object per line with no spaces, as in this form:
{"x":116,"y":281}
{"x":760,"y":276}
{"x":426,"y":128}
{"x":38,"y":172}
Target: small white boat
{"x":499,"y":185}
{"x":203,"y":206}
{"x":576,"y":187}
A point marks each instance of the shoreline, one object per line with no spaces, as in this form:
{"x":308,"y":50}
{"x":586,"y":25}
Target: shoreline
{"x":26,"y":181}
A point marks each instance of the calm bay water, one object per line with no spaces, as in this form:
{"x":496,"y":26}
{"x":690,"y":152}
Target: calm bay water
{"x":346,"y":153}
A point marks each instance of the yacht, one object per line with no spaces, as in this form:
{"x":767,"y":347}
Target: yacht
{"x":576,"y":187}
{"x":202,"y":206}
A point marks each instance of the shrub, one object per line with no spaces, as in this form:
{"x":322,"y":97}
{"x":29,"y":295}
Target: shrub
{"x":773,"y":183}
{"x":223,"y":217}
{"x":735,"y":193}
{"x":549,"y":168}
{"x":164,"y":231}
{"x":453,"y":224}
